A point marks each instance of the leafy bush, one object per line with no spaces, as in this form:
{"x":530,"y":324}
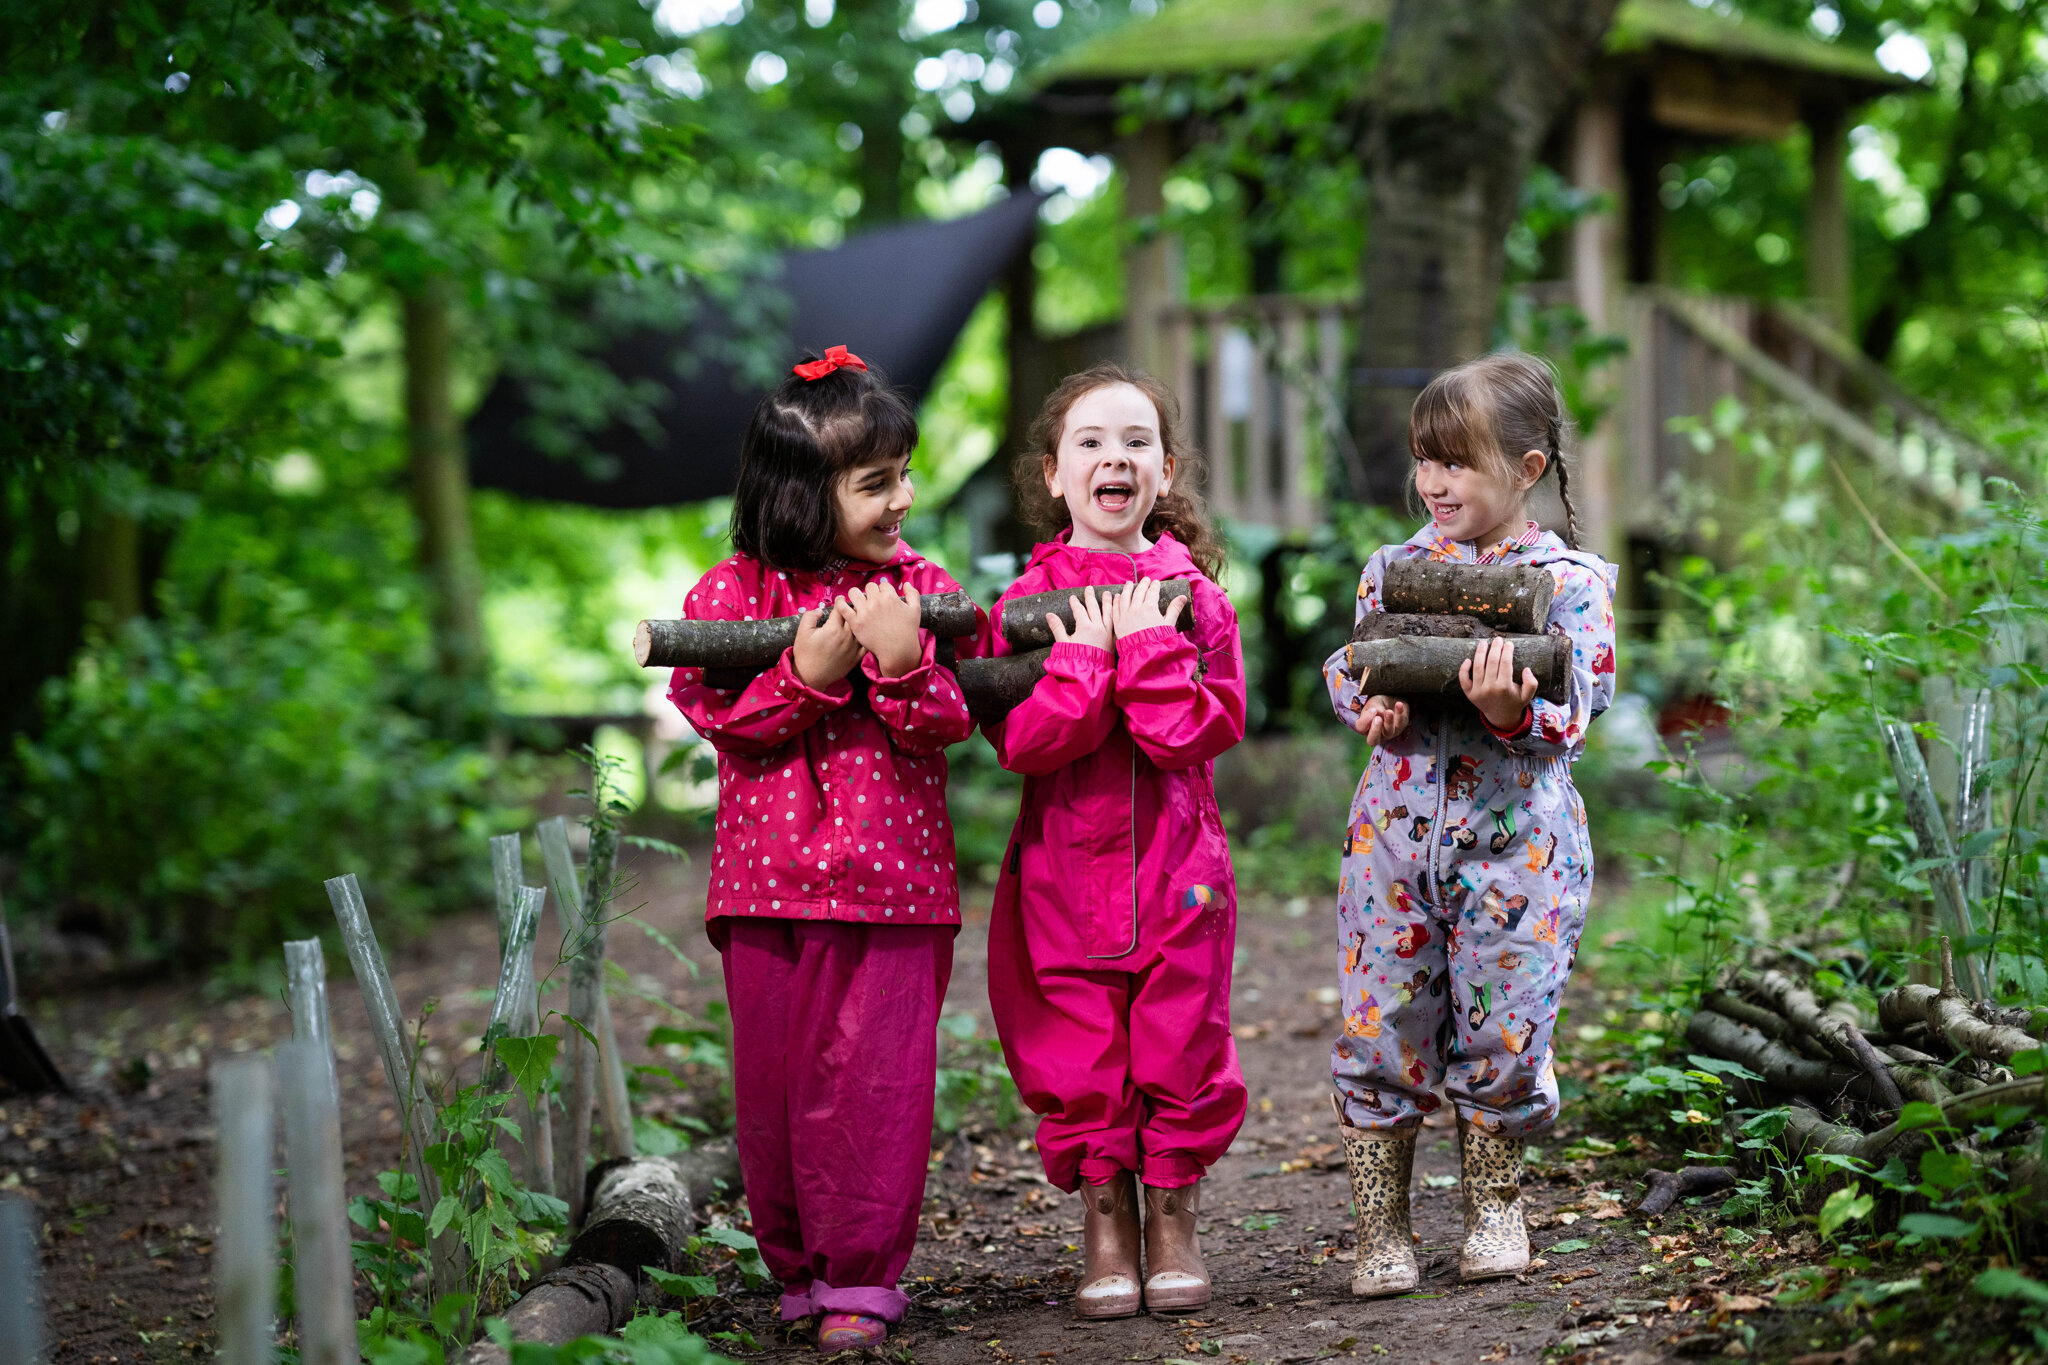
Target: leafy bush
{"x":191,"y":789}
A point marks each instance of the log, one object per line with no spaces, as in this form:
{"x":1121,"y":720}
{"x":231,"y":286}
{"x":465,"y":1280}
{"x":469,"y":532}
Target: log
{"x":946,"y":654}
{"x":1387,"y":625}
{"x":1951,"y":1017}
{"x":1838,"y":1035}
{"x":1773,"y":1026}
{"x":1427,"y":666}
{"x":1023,"y":622}
{"x":568,"y":1302}
{"x":642,"y":1213}
{"x":1781,"y":1067}
{"x":245,"y":1256}
{"x":1512,"y":599}
{"x":1668,"y":1187}
{"x":993,"y":688}
{"x":756,"y":645}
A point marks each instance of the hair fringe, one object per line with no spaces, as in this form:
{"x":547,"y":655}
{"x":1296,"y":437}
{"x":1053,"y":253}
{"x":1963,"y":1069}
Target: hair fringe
{"x":1180,"y":512}
{"x":1486,"y":413}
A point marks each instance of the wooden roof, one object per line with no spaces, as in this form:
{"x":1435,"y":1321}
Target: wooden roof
{"x":1191,"y":36}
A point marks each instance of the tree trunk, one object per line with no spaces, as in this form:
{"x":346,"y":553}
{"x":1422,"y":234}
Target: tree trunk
{"x":1464,"y":94}
{"x":440,"y":486}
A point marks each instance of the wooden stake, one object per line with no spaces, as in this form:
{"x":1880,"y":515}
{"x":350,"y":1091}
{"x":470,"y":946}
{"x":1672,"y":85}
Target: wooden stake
{"x":387,"y":1024}
{"x":323,"y":1277}
{"x":1923,"y":812}
{"x":245,"y":1257}
{"x":305,"y":970}
{"x":21,"y":1268}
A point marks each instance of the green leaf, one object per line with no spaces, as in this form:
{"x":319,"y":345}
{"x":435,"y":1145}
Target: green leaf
{"x":1935,"y":1225}
{"x":2028,"y":1062}
{"x":1945,"y":1170}
{"x":1568,"y":1245}
{"x":1920,"y":1114}
{"x":1768,"y":1124}
{"x":530,"y":1061}
{"x":1845,"y":1205}
{"x":682,"y":1286}
{"x":2002,"y":1283}
{"x":1720,"y":1067}
{"x":1259,"y":1222}
{"x":496,"y":1173}
{"x":445,"y":1213}
{"x":654,"y":1138}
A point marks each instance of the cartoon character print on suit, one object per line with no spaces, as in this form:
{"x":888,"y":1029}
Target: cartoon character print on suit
{"x":1494,"y":903}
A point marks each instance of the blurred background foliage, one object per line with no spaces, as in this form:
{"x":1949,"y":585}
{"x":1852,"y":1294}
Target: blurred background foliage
{"x":221,"y":668}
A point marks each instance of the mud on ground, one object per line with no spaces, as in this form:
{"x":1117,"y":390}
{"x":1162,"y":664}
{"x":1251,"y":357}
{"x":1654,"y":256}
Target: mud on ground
{"x":120,"y":1174}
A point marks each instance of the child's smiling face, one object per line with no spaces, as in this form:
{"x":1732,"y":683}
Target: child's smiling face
{"x":1110,"y":468}
{"x":872,"y":499}
{"x":1475,"y":505}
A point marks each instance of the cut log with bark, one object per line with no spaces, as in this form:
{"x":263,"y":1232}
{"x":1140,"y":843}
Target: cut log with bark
{"x":945,"y":654}
{"x":642,"y":1213}
{"x":994,"y":687}
{"x":1781,"y":1067}
{"x":1024,"y":625}
{"x":755,"y":645}
{"x":1514,"y":600}
{"x":1427,"y":665}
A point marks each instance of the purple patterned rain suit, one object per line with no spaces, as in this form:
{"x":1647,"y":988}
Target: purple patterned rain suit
{"x":1466,"y":872}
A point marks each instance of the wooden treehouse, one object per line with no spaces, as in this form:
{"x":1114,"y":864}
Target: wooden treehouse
{"x":1265,"y":379}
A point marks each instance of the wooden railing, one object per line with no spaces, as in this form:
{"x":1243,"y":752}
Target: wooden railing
{"x":1261,"y":383}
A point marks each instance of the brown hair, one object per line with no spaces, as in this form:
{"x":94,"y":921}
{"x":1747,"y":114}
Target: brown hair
{"x":1487,"y":413}
{"x":803,"y":436}
{"x":1179,"y":511}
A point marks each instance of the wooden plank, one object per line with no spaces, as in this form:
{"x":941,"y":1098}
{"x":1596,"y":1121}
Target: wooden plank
{"x":323,"y":1273}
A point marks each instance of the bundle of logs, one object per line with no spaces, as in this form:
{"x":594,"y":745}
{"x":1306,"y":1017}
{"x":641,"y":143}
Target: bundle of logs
{"x":1848,"y":1084}
{"x":1435,"y":615}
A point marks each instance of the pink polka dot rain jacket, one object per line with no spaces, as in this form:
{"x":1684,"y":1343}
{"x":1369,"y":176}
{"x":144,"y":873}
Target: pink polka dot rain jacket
{"x":831,"y":801}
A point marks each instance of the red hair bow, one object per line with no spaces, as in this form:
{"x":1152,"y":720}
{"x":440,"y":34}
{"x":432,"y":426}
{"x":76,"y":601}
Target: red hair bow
{"x":835,"y":358}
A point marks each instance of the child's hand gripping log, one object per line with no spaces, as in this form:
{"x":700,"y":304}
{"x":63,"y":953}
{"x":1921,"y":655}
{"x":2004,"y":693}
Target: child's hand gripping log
{"x":886,"y":626}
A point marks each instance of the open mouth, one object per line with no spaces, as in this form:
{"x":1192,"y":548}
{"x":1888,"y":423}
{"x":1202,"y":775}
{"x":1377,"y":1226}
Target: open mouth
{"x":1114,"y":497}
{"x":1444,"y":511}
{"x":891,"y":529}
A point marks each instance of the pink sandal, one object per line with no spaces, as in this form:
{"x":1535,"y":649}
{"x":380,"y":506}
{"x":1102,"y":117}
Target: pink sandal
{"x":850,"y":1332}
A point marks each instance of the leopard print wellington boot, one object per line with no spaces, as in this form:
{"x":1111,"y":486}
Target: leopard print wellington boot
{"x":1496,"y":1238}
{"x":1381,"y":1163}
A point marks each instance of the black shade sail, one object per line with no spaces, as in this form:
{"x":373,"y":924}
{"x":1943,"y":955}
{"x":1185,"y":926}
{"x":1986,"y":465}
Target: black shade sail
{"x":898,"y":297}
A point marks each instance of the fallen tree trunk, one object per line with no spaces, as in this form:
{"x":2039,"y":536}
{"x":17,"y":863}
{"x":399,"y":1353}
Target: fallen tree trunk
{"x":1024,"y":625}
{"x":641,"y":1214}
{"x":1427,"y":665}
{"x":755,"y":645}
{"x":1513,"y":600}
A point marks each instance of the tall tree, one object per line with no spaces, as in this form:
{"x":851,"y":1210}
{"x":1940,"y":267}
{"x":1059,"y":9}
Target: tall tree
{"x":1464,"y":93}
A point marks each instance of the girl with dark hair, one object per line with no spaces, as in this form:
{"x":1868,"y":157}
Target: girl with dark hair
{"x":1465,"y":877}
{"x":834,"y":898}
{"x":1116,"y":912}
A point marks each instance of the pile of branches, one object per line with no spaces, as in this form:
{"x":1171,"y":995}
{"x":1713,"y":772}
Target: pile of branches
{"x":1858,"y":1091}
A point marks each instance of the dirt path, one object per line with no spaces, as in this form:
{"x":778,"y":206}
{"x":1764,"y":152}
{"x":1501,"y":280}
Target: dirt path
{"x":121,"y":1175}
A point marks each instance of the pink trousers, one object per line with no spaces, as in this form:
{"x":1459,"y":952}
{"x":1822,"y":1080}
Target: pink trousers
{"x":835,"y":1048}
{"x":1129,"y":1061}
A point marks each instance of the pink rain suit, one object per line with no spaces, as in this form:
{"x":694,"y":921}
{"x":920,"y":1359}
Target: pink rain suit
{"x":1466,"y":872}
{"x":1115,"y":916}
{"x":834,"y":901}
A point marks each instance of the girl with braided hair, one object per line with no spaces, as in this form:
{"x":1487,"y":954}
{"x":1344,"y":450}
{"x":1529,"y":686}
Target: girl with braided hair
{"x":1495,"y":922}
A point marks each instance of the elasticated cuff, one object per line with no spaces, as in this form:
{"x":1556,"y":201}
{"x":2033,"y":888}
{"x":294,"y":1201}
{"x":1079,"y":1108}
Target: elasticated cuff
{"x":1522,"y":727}
{"x":790,"y":684}
{"x":1078,"y":657}
{"x":877,"y":1302}
{"x":1172,"y":1172}
{"x":1100,"y":1170}
{"x":907,"y":685}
